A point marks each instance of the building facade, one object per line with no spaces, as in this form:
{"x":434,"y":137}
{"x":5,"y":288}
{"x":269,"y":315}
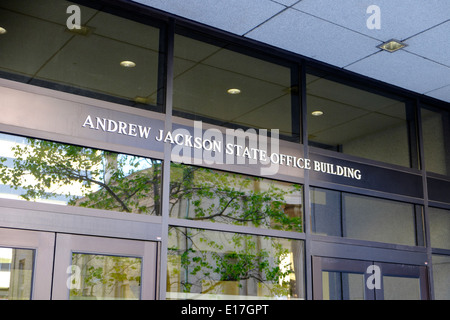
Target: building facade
{"x":144,"y":156}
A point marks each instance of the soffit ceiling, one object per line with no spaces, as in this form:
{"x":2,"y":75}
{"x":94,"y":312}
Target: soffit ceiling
{"x":336,"y":33}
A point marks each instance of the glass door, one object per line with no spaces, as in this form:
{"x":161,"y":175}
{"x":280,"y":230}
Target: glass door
{"x":46,"y":265}
{"x":96,"y":268}
{"x":26,"y":263}
{"x":344,"y":279}
{"x":402,"y":282}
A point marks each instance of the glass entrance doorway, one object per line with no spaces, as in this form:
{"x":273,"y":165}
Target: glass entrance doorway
{"x":45,"y":265}
{"x":343,"y":279}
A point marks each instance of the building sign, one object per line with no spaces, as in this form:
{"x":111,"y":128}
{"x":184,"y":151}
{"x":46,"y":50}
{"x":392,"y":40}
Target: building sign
{"x":234,"y":146}
{"x":102,"y":125}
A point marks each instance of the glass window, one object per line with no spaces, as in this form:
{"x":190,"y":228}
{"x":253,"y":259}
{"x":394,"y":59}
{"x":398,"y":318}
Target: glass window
{"x":16,"y":273}
{"x":44,"y":171}
{"x":105,"y":277}
{"x":342,"y":285}
{"x":80,"y":51}
{"x":439,"y":228}
{"x":441,"y":277}
{"x":365,"y":218}
{"x":356,"y":122}
{"x":214,"y":196}
{"x":436,"y":141}
{"x":217,"y":265}
{"x":401,"y":288}
{"x":215,"y":83}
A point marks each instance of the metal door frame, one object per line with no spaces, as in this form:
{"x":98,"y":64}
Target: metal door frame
{"x":320,"y":264}
{"x":53,"y":256}
{"x":66,"y":244}
{"x":43,"y":244}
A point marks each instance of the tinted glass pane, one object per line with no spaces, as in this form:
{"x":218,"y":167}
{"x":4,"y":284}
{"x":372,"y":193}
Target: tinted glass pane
{"x":379,"y":220}
{"x":356,"y":122}
{"x":105,"y":277}
{"x":342,"y":286}
{"x":16,"y":273}
{"x":217,"y":265}
{"x":439,"y":228}
{"x":215,"y":84}
{"x":441,"y":277}
{"x":401,"y":288}
{"x":436,"y":141}
{"x":214,"y":196}
{"x":360,"y":217}
{"x":38,"y":170}
{"x":40,"y":48}
{"x":326,"y":215}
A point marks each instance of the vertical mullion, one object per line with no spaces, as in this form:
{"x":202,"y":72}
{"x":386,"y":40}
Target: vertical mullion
{"x":306,"y":190}
{"x":412,"y":121}
{"x":425,"y":197}
{"x":296,"y":108}
{"x":167,"y":159}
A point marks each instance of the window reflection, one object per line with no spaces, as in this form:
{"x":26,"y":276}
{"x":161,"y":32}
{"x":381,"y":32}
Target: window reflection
{"x":441,"y":277}
{"x":216,"y":83}
{"x":105,"y":277}
{"x":217,"y":265}
{"x":38,"y":170}
{"x":347,"y":215}
{"x":342,"y":286}
{"x":209,"y":195}
{"x":436,"y":141}
{"x":16,"y":273}
{"x":401,"y":288}
{"x":356,"y":122}
{"x":85,"y":61}
{"x":439,"y":227}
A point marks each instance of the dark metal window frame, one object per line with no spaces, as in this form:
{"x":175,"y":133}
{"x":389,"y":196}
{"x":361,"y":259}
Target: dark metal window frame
{"x":313,"y":244}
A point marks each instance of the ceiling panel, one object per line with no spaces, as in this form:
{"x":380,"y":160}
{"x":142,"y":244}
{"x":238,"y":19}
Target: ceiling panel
{"x":93,"y":63}
{"x":434,"y":44}
{"x":18,"y":55}
{"x":48,"y":10}
{"x":271,"y":115}
{"x":336,"y":32}
{"x":307,"y":35}
{"x":405,"y":70}
{"x":203,"y":90}
{"x":346,"y":95}
{"x":38,"y":45}
{"x":399,"y":19}
{"x":235,"y":16}
{"x":441,"y":93}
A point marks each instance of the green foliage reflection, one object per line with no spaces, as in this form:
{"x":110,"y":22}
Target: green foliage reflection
{"x":208,"y":195}
{"x":83,"y":177}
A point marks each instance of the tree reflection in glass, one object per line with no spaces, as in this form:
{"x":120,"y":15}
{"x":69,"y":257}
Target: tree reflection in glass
{"x":206,"y":264}
{"x":202,"y":194}
{"x":38,"y":170}
{"x":105,"y":277}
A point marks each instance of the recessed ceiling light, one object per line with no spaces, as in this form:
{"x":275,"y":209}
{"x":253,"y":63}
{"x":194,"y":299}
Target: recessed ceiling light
{"x":2,"y":30}
{"x":234,"y":91}
{"x":143,"y":100}
{"x":81,"y":30}
{"x":127,"y":64}
{"x":392,"y":45}
{"x":317,"y":113}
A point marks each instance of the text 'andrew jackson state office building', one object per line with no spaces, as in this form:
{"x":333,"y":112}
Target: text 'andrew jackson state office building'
{"x":257,"y":149}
